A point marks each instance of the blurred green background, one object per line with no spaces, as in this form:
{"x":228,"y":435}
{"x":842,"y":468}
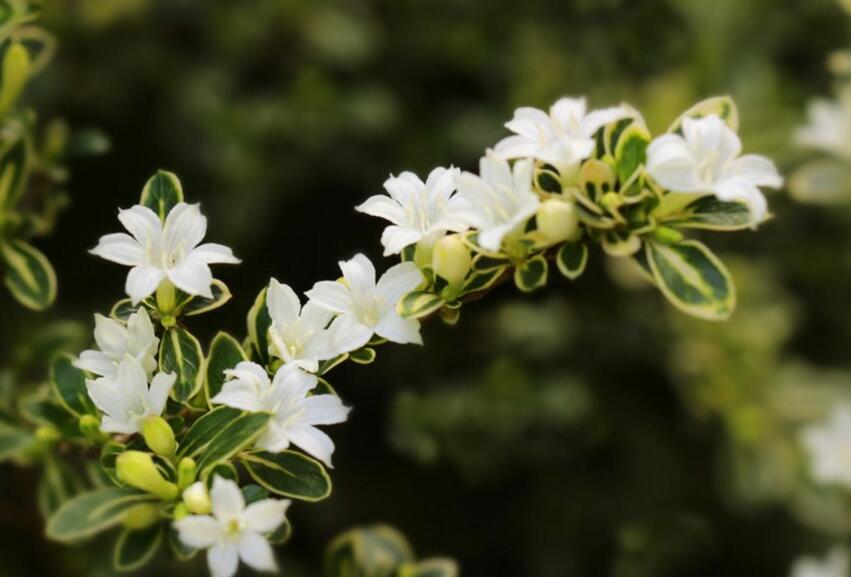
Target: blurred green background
{"x":589,"y":430}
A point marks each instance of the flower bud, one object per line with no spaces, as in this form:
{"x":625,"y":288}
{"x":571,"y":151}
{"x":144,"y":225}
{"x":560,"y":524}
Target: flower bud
{"x":141,"y":516}
{"x":47,"y":435}
{"x":180,"y":512}
{"x":558,"y":220}
{"x":186,"y":471}
{"x":90,"y":427}
{"x":158,"y":436}
{"x":196,"y":499}
{"x":451,"y":259}
{"x":137,"y":469}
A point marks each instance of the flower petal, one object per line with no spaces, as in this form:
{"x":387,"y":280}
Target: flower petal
{"x":397,"y":282}
{"x":347,"y":334}
{"x":227,"y":500}
{"x":283,"y":304}
{"x":324,"y":410}
{"x":223,"y":560}
{"x":359,"y":274}
{"x":184,"y":227}
{"x":313,"y":442}
{"x":142,"y":281}
{"x":143,"y":223}
{"x":121,"y":248}
{"x":161,"y":386}
{"x":395,"y":238}
{"x":266,"y":515}
{"x":256,"y":552}
{"x":110,"y":335}
{"x":213,"y":253}
{"x":192,"y":276}
{"x":394,"y":328}
{"x":383,"y":207}
{"x":199,"y":531}
{"x":96,"y":362}
{"x":331,"y":295}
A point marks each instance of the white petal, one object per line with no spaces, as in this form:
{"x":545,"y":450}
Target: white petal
{"x":346,"y":334}
{"x":110,"y":335}
{"x":227,"y":501}
{"x":223,"y":560}
{"x":401,"y":189}
{"x":192,"y":276}
{"x":184,"y":227}
{"x":161,"y":386}
{"x":106,"y":396}
{"x":739,"y":189}
{"x":670,"y":163}
{"x":758,"y":169}
{"x":143,"y":223}
{"x":383,"y":207}
{"x":240,"y":396}
{"x":569,"y":110}
{"x":517,"y":146}
{"x":399,"y":280}
{"x":292,"y":383}
{"x":142,"y":281}
{"x":324,"y":410}
{"x":283,"y":304}
{"x":394,"y":328}
{"x":331,"y":295}
{"x":199,"y":531}
{"x":359,"y":274}
{"x":96,"y":362}
{"x":121,"y":248}
{"x":118,"y":426}
{"x":256,"y":552}
{"x":395,"y":238}
{"x":313,"y":442}
{"x":599,"y":118}
{"x":315,"y":317}
{"x":528,"y":121}
{"x":265,"y":516}
{"x":213,"y":253}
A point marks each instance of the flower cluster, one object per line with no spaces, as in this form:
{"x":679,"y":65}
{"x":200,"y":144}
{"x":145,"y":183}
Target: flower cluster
{"x":196,"y":441}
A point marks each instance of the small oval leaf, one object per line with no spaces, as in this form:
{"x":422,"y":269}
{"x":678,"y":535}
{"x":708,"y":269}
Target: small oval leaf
{"x":290,"y":474}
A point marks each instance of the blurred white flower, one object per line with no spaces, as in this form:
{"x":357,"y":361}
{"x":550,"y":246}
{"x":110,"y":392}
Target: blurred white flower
{"x":562,"y":138}
{"x":234,"y":531}
{"x":295,"y":414}
{"x":125,"y":398}
{"x":828,"y":445}
{"x":159,"y":251}
{"x":417,"y":210}
{"x":366,"y":307}
{"x":835,"y":564}
{"x":297,"y":334}
{"x":115,"y":340}
{"x":829,"y":126}
{"x":705,"y":160}
{"x":500,"y":199}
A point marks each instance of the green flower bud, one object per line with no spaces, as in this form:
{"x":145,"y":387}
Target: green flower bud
{"x":137,"y":469}
{"x":158,"y":436}
{"x":558,"y":220}
{"x":48,"y":435}
{"x":451,"y":259}
{"x":186,"y":471}
{"x":667,"y":235}
{"x":141,"y":516}
{"x":180,"y":512}
{"x":196,"y":499}
{"x":90,"y":427}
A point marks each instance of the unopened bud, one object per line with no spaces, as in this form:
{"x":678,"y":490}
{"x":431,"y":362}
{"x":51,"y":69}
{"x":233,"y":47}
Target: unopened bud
{"x":667,"y":235}
{"x":558,"y":220}
{"x":196,"y":499}
{"x":186,"y":471}
{"x":90,"y":427}
{"x":180,"y":512}
{"x":137,"y":469}
{"x":141,"y":516}
{"x":158,"y":436}
{"x":47,"y":434}
{"x":451,"y":259}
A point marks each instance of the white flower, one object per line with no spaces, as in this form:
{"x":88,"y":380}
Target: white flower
{"x":126,"y":399}
{"x":297,"y":334}
{"x":829,"y":447}
{"x":158,"y":251}
{"x":115,"y":340}
{"x":705,"y":160}
{"x":234,"y":531}
{"x":295,"y":414}
{"x":836,"y":564}
{"x":417,"y":210}
{"x":829,"y":127}
{"x":366,"y":307}
{"x":563,"y":138}
{"x":500,"y":200}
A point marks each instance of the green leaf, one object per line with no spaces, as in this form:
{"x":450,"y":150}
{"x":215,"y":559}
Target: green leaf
{"x":232,"y":438}
{"x":38,"y":408}
{"x":57,"y":485}
{"x":327,"y":365}
{"x":93,"y":512}
{"x":631,"y":151}
{"x":290,"y":474}
{"x":722,"y":106}
{"x":363,"y":356}
{"x":135,"y":548}
{"x":16,"y":68}
{"x":707,"y":212}
{"x":14,"y":171}
{"x":205,"y":429}
{"x":282,"y":534}
{"x":482,"y":281}
{"x":122,"y":310}
{"x":372,"y":551}
{"x":259,"y":322}
{"x":162,"y":192}
{"x":180,"y":353}
{"x":692,"y":278}
{"x":196,"y":305}
{"x":620,"y":243}
{"x":14,"y":442}
{"x":418,"y":304}
{"x":571,"y":259}
{"x":429,"y":568}
{"x":225,"y":353}
{"x":181,"y":551}
{"x":29,"y":275}
{"x":531,"y":274}
{"x":69,"y":382}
